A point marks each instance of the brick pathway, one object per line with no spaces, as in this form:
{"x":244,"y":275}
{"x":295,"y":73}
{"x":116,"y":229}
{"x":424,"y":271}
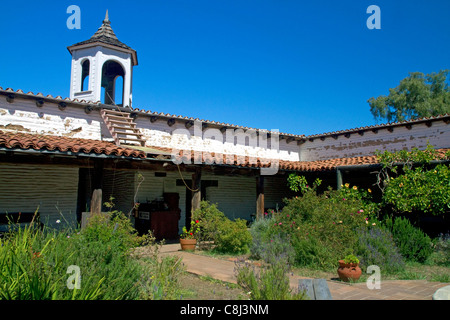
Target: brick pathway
{"x":390,"y":289}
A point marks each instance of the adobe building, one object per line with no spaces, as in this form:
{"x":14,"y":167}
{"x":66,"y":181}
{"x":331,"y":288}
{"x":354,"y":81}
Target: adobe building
{"x":54,"y":151}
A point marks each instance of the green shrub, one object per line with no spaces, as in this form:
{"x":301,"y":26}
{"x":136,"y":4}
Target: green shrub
{"x":215,"y":228}
{"x":210,"y":217}
{"x":232,"y":237}
{"x":34,"y":263}
{"x":265,"y":244}
{"x":377,"y":247}
{"x":33,"y":266}
{"x":321,"y":228}
{"x":441,"y":253}
{"x":413,"y":243}
{"x":100,"y":251}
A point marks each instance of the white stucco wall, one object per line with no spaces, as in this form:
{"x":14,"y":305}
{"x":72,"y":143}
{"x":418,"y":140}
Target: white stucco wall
{"x":211,"y":140}
{"x":438,"y":135}
{"x":23,"y":115}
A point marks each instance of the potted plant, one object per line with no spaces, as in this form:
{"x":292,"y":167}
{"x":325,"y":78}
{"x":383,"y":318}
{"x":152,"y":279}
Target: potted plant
{"x":349,"y":268}
{"x":188,"y":238}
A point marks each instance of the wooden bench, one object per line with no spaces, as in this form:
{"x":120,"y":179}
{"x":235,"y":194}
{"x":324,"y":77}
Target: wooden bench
{"x":12,"y":220}
{"x":316,"y":289}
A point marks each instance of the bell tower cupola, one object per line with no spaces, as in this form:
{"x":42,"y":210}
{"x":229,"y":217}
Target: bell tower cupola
{"x":102,"y":68}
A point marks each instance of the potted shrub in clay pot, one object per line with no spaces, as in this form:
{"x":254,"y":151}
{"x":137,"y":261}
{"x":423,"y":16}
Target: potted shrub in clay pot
{"x":188,"y":239}
{"x":349,"y":268}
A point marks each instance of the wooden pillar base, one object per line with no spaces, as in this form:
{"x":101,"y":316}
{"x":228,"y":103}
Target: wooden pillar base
{"x":260,"y":197}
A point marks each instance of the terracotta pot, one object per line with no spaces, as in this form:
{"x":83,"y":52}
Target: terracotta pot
{"x":188,"y":244}
{"x":349,"y":271}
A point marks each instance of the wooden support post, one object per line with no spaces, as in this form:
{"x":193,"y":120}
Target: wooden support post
{"x":196,"y":189}
{"x":259,"y":197}
{"x":340,"y":182}
{"x":96,"y":208}
{"x":97,"y":195}
{"x":96,"y":202}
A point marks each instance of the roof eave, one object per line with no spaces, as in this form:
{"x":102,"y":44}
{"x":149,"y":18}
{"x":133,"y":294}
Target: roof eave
{"x":133,"y":52}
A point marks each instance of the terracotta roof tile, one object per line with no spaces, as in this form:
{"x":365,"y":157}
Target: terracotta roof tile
{"x":12,"y":140}
{"x":303,"y":166}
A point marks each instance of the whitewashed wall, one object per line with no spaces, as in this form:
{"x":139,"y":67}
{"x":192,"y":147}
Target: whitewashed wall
{"x":53,"y":189}
{"x":438,"y":135}
{"x":24,"y":116}
{"x":160,"y":134}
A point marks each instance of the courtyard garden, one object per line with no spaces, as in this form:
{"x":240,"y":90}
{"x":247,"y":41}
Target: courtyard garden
{"x":308,"y":236}
{"x":313,"y":231}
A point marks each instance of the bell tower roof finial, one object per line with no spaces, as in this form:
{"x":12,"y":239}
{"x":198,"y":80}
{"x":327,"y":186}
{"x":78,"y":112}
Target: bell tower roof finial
{"x":106,"y":20}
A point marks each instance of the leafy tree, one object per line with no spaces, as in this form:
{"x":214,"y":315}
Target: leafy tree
{"x":416,"y":96}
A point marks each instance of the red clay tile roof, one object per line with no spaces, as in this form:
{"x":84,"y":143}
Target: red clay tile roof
{"x":12,"y":140}
{"x":327,"y":165}
{"x":302,"y":166}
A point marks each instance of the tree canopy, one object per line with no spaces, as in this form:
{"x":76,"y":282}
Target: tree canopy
{"x":417,"y":96}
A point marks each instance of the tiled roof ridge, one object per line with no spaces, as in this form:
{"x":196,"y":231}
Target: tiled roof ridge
{"x":146,"y":112}
{"x":180,"y":117}
{"x":256,"y":162}
{"x":379,"y":126}
{"x":49,"y":96}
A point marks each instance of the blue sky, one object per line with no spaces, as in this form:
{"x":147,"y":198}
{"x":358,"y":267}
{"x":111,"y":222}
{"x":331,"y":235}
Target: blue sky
{"x":302,"y":67}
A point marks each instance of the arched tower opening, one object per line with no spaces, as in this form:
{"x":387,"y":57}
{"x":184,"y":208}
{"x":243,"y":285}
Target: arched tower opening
{"x":111,"y":71}
{"x":85,"y":67}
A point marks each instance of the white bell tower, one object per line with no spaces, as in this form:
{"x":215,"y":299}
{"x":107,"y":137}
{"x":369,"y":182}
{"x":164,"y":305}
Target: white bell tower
{"x":102,"y":68}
